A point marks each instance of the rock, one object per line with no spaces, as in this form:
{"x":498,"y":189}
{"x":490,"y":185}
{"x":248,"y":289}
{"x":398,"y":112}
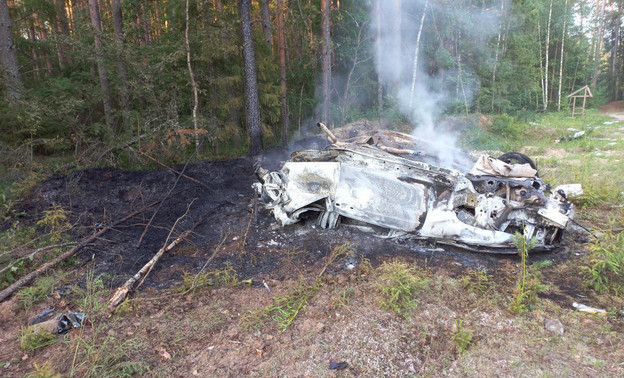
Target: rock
{"x":554,"y":326}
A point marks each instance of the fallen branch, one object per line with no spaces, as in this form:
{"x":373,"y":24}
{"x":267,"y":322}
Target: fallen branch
{"x":33,"y":253}
{"x":149,"y":223}
{"x":171,"y":169}
{"x":6,"y":293}
{"x":122,"y":292}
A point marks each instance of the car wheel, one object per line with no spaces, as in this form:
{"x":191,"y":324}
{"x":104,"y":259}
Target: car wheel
{"x":517,"y":158}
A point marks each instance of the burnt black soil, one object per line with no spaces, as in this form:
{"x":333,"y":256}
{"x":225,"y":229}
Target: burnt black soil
{"x":222,"y":212}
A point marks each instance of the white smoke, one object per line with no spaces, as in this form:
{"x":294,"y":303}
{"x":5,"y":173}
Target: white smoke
{"x":433,"y":93}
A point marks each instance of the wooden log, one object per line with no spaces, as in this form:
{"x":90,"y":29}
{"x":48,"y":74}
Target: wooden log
{"x":122,"y":292}
{"x":6,"y":293}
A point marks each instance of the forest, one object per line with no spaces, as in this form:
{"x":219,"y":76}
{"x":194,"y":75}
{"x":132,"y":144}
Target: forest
{"x":145,"y":228}
{"x":81,"y":76}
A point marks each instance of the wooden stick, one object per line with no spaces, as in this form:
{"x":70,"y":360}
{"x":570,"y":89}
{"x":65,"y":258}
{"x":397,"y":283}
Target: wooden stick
{"x":171,"y":169}
{"x":122,"y":292}
{"x":6,"y":293}
{"x":33,"y":253}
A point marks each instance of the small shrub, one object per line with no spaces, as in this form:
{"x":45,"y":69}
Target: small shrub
{"x":477,"y":280}
{"x":29,"y":296}
{"x":218,"y":277}
{"x":605,"y":273}
{"x":43,"y":371}
{"x":283,"y":311}
{"x":462,"y":337}
{"x":32,"y":339}
{"x":525,"y":293}
{"x":57,"y":221}
{"x":399,"y":283}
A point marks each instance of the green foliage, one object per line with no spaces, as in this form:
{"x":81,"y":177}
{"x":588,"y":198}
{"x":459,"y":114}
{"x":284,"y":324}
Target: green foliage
{"x":399,"y":284}
{"x":284,"y":309}
{"x":43,"y":371}
{"x":224,"y":277}
{"x":462,"y":336}
{"x":56,"y":220}
{"x":32,"y":339}
{"x":605,"y":272}
{"x":477,"y":280}
{"x":29,"y":296}
{"x":525,"y":293}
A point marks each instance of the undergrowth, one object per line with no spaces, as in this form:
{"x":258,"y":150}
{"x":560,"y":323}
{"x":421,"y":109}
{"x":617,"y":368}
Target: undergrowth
{"x":32,"y":339}
{"x":29,"y":296}
{"x":225,"y":276}
{"x":462,"y":336}
{"x":605,"y":272}
{"x":399,"y":283}
{"x":284,"y":309}
{"x":525,"y":293}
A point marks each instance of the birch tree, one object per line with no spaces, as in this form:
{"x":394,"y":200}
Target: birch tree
{"x":416,"y":52}
{"x":325,"y":60}
{"x":563,"y":37}
{"x":547,"y":56}
{"x":192,"y":77}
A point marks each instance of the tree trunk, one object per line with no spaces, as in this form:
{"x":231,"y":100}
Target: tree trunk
{"x":396,"y":52}
{"x":266,"y":21}
{"x":415,"y":68}
{"x":281,"y":42}
{"x":252,"y":105}
{"x":44,"y":37}
{"x":101,"y":63}
{"x":346,"y":96}
{"x":498,"y":42}
{"x":379,"y":58}
{"x":563,"y":35}
{"x":325,"y":60}
{"x":8,"y":57}
{"x":32,"y":35}
{"x":541,"y":62}
{"x":121,"y":65}
{"x":600,"y":22}
{"x":193,"y":83}
{"x":547,"y":56}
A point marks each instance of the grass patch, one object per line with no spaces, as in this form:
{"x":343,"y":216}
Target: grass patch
{"x":462,"y":337}
{"x":284,"y":309}
{"x":399,"y":283}
{"x":32,"y":339}
{"x":29,"y":296}
{"x":525,"y":293}
{"x":477,"y":280}
{"x":217,"y":277}
{"x":605,"y":272}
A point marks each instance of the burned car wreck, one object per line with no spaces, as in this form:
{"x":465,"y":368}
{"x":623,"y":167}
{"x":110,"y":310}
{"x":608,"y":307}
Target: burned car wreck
{"x":391,"y":183}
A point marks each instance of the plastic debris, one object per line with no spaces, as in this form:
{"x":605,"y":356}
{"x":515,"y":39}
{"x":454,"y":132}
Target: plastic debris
{"x":266,"y":286}
{"x":44,"y":315}
{"x":592,"y":310}
{"x":337,"y":365}
{"x":68,"y":321}
{"x":554,"y":326}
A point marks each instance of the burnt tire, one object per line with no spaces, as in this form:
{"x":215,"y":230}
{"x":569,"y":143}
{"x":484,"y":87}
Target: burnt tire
{"x":517,"y":158}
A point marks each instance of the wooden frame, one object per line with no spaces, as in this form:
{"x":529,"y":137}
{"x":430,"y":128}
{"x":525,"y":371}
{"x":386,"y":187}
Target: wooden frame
{"x":576,"y":94}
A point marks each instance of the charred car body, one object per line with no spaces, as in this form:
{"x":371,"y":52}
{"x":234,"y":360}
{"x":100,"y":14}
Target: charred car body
{"x":389,"y":182}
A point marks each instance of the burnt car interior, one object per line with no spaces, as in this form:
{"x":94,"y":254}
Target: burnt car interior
{"x":396,"y":185}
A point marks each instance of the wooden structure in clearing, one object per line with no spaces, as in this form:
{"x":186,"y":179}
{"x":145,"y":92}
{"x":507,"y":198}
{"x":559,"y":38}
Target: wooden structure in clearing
{"x":584,"y":93}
